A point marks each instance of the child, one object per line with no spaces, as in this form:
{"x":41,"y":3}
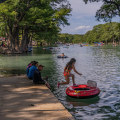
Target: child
{"x":28,"y":67}
{"x":32,"y":70}
{"x":67,"y":72}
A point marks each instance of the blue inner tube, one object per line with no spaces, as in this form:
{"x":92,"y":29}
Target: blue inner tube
{"x":62,"y":56}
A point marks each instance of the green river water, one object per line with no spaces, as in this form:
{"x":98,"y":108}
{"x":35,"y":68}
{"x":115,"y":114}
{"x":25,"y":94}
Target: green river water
{"x":95,"y":63}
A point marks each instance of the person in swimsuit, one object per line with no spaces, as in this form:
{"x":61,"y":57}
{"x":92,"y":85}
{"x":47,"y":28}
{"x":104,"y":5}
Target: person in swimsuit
{"x":62,"y":55}
{"x":67,"y":72}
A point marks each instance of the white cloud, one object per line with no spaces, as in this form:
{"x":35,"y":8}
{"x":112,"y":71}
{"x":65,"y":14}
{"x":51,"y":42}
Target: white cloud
{"x":79,"y":7}
{"x":82,"y":28}
{"x":83,"y":17}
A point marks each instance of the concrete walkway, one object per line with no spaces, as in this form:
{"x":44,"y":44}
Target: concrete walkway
{"x":21,"y":100}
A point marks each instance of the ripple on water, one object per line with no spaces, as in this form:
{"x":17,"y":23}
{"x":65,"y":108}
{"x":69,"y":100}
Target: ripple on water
{"x":102,"y":66}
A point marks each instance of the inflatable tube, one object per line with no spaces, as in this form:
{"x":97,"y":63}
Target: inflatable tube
{"x":82,"y":91}
{"x":62,"y":56}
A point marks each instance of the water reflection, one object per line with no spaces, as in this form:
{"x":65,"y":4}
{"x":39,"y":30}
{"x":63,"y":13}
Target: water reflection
{"x":16,"y":64}
{"x":82,"y":102}
{"x":12,"y":71}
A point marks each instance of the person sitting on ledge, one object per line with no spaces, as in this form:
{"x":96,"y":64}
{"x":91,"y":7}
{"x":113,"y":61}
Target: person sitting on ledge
{"x":29,"y":66}
{"x":37,"y":79}
{"x":32,"y":70}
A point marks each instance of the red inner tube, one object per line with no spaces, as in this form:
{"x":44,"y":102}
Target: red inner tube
{"x":82,"y":91}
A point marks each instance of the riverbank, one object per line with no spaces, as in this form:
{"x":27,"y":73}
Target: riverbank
{"x":21,"y":100}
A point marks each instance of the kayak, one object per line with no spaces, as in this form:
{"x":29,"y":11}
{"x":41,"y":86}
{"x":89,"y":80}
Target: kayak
{"x":82,"y":91}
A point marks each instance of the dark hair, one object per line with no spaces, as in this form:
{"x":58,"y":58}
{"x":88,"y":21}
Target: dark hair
{"x":33,"y":62}
{"x":69,"y":64}
{"x":41,"y":66}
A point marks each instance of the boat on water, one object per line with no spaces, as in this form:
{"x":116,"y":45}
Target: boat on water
{"x":83,"y":91}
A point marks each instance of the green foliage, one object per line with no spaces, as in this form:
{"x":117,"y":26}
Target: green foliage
{"x":108,"y":32}
{"x":108,"y":10}
{"x":69,"y":38}
{"x":1,"y":1}
{"x":41,"y":18}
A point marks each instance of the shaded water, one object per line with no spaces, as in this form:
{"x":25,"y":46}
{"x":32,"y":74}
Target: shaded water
{"x":16,"y":64}
{"x":95,"y":63}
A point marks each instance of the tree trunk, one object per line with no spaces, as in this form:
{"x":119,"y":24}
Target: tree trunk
{"x":16,"y":39}
{"x":13,"y":38}
{"x":25,"y":40}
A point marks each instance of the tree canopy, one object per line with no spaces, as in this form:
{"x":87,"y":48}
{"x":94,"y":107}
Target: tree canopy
{"x":107,"y":33}
{"x":22,"y":20}
{"x":108,"y":10}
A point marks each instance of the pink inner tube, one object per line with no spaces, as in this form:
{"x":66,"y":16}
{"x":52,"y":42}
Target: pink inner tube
{"x":82,"y":91}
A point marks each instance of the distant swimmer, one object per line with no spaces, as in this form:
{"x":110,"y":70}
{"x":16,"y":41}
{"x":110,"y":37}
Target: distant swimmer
{"x":62,"y":56}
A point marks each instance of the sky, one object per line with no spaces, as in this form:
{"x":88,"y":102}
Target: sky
{"x":82,"y":17}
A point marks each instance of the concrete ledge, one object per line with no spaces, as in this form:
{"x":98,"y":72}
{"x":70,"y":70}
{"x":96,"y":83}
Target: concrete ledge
{"x":21,"y":100}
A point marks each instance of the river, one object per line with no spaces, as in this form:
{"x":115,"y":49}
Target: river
{"x":95,"y":63}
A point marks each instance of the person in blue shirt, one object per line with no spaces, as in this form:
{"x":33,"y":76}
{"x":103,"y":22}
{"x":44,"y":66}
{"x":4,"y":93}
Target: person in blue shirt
{"x":28,"y":67}
{"x":32,"y":70}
